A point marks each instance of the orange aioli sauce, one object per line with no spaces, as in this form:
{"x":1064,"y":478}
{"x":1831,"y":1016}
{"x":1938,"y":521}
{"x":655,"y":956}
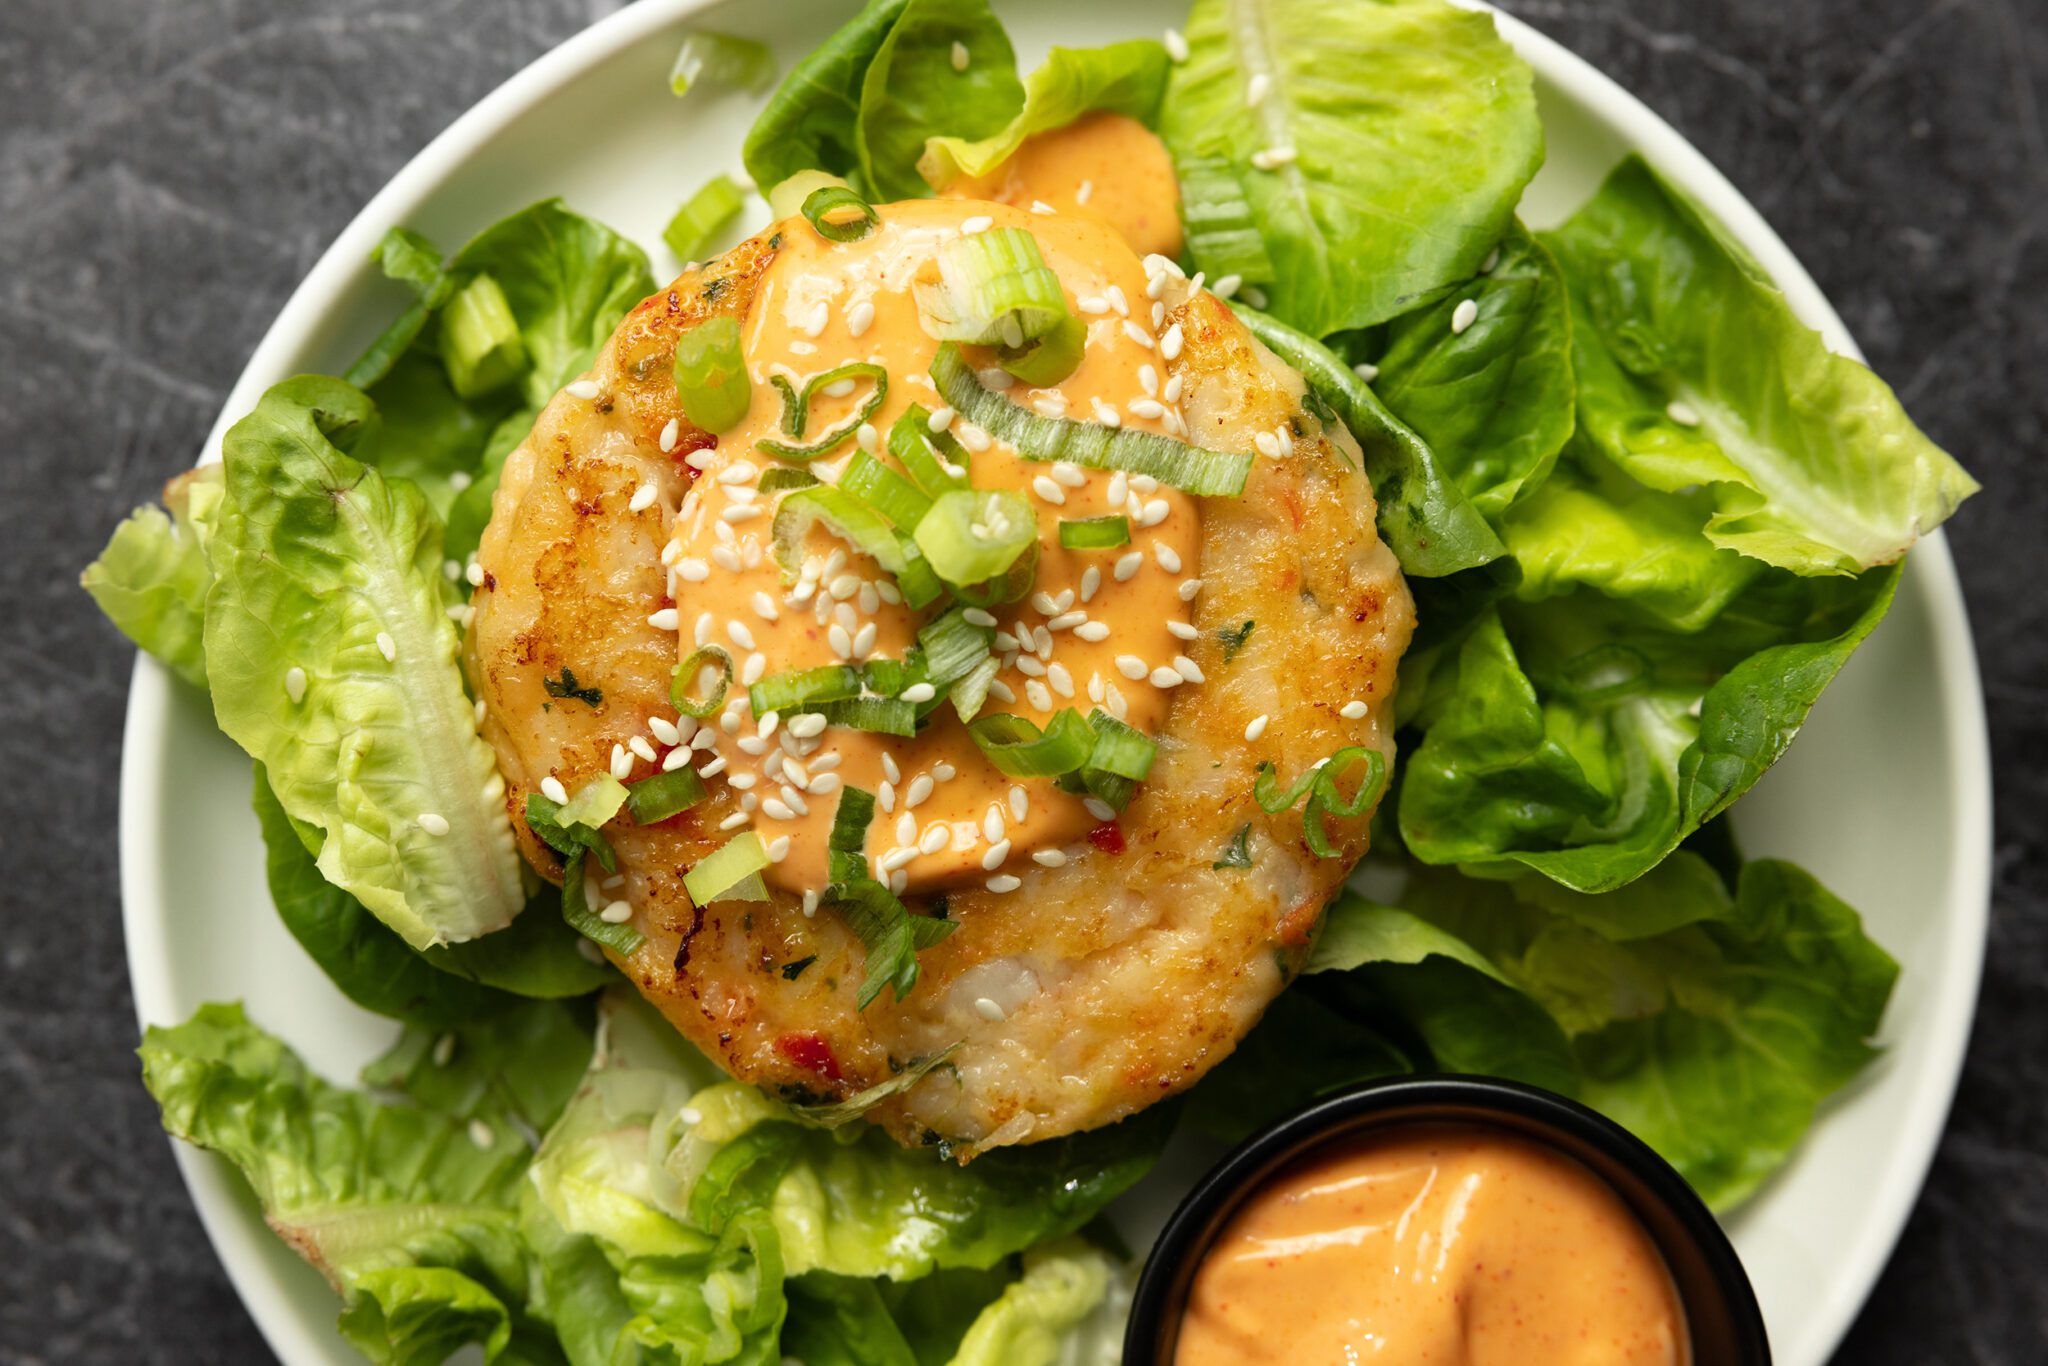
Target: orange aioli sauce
{"x":1107,"y":166}
{"x":945,"y":814}
{"x":1451,"y":1246}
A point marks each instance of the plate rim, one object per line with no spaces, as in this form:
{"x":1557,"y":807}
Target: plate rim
{"x":241,"y":1243}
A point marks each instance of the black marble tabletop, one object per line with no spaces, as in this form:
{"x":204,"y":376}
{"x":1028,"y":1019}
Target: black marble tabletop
{"x":169,"y":169}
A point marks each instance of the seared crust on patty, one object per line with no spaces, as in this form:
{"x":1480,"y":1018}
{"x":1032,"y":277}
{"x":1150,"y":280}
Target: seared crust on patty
{"x":1120,"y":977}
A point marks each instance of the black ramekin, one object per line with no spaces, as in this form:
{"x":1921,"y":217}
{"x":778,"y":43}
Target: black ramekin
{"x":1720,"y":1307}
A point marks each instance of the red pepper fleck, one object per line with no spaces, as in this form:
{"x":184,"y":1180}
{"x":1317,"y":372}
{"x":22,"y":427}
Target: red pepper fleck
{"x":1108,"y":837}
{"x":810,"y":1052}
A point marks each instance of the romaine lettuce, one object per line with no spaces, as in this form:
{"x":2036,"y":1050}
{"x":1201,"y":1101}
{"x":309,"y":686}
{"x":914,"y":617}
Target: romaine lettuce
{"x":1124,"y":78}
{"x":1404,"y":132}
{"x":1693,"y":371}
{"x":319,"y":564}
{"x":407,"y":1207}
{"x":152,"y":578}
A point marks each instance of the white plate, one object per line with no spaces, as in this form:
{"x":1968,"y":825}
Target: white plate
{"x":1886,"y":796}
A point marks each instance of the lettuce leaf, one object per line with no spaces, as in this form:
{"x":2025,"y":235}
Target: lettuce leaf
{"x":913,"y":89}
{"x":855,"y":1203}
{"x":1413,"y":128}
{"x":1067,"y":1309}
{"x":399,"y":1204}
{"x":1811,"y":463}
{"x":1495,"y":400}
{"x":1125,"y":78}
{"x":315,"y":556}
{"x":1578,"y":738}
{"x":152,"y":578}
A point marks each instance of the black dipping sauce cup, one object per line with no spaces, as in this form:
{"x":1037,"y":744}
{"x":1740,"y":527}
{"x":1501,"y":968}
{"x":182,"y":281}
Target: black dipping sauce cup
{"x":1721,"y":1310}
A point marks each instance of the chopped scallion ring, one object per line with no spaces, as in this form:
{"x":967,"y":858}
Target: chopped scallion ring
{"x":993,"y":289}
{"x":797,"y":688}
{"x":1036,"y":437}
{"x":846,"y":847}
{"x":796,"y":413}
{"x":1020,"y":749}
{"x":711,"y":375}
{"x":480,"y":343}
{"x":724,"y":872}
{"x":784,"y":478}
{"x":936,"y":460}
{"x":655,"y":799}
{"x":952,"y":647}
{"x":971,"y":691}
{"x":971,"y":535}
{"x":861,"y":527}
{"x":703,"y":217}
{"x":687,"y":675}
{"x":1047,"y":359}
{"x":889,"y":932}
{"x":888,"y":492}
{"x":1094,"y":533}
{"x":1324,"y":798}
{"x":881,"y":715}
{"x":1009,"y":586}
{"x":838,"y":214}
{"x":623,"y":939}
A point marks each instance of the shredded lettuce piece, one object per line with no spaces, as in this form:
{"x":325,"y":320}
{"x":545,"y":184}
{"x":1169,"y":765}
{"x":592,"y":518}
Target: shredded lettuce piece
{"x":1123,"y":78}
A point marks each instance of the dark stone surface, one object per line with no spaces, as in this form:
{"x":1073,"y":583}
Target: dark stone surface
{"x":169,"y":169}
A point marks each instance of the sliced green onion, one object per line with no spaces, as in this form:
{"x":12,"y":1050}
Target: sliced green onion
{"x":1094,"y":533}
{"x":796,"y":417}
{"x":1012,"y":584}
{"x":682,"y":681}
{"x":1324,"y":796}
{"x":1046,"y":360}
{"x":846,"y":847}
{"x":711,"y":375}
{"x":594,"y":803}
{"x":1086,"y":443}
{"x":480,"y":343}
{"x":889,"y":932}
{"x":723,"y":870}
{"x":889,"y":677}
{"x":796,"y":688}
{"x":1019,"y":748}
{"x":974,"y":534}
{"x":786,"y":197}
{"x":888,"y":492}
{"x":719,"y":60}
{"x":993,"y":287}
{"x":971,"y":691}
{"x":655,"y":799}
{"x":846,"y":517}
{"x":953,"y":646}
{"x":576,"y":912}
{"x":881,"y":715}
{"x":1120,"y":749}
{"x":544,"y":818}
{"x":936,"y":460}
{"x":838,"y":214}
{"x":703,"y":217}
{"x":783,"y":478}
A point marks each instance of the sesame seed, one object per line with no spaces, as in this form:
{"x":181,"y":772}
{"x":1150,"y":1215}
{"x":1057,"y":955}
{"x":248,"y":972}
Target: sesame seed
{"x":1069,"y":474}
{"x":1171,"y":393}
{"x":1091,"y":582}
{"x":1272,"y":158}
{"x":1094,"y":632}
{"x":1492,"y":260}
{"x":1099,"y":808}
{"x":1255,"y":727}
{"x":1066,"y":621}
{"x":864,"y":640}
{"x":1000,"y":691}
{"x":811,"y":900}
{"x":919,"y":692}
{"x":622,"y":762}
{"x":740,"y":512}
{"x":807,"y":725}
{"x":975,"y":616}
{"x":551,"y":788}
{"x":1352,"y":711}
{"x":1134,"y":668}
{"x":1683,"y":413}
{"x":1049,"y":491}
{"x":1156,"y":512}
{"x":740,"y":634}
{"x":295,"y":683}
{"x":885,"y":797}
{"x":386,"y":646}
{"x":1158,"y":314}
{"x":824,"y":784}
{"x":1188,"y":589}
{"x":752,"y":744}
{"x":1083,"y":191}
{"x":981,"y":222}
{"x":1004,"y":882}
{"x":960,"y":56}
{"x":617,"y":913}
{"x":693,"y":569}
{"x":664,"y":620}
{"x":1163,"y":677}
{"x":1030,"y":667}
{"x":1464,"y":315}
{"x":482,"y":1135}
{"x":664,"y":730}
{"x":671,"y":432}
{"x":936,"y":837}
{"x":432,"y":823}
{"x":1040,"y":206}
{"x":582,"y":388}
{"x":1138,"y":334}
{"x":638,"y":744}
{"x":972,"y":437}
{"x":1147,"y":407}
{"x":751,"y":671}
{"x":889,"y":769}
{"x":940,"y":419}
{"x":944,"y":771}
{"x":643,"y":498}
{"x":1092,"y":303}
{"x":1189,"y":671}
{"x":1167,"y":556}
{"x":860,"y":317}
{"x":1176,"y":46}
{"x":919,"y":789}
{"x":1050,"y":858}
{"x":734,"y":821}
{"x":778,"y":849}
{"x":1128,"y":564}
{"x":1255,"y":89}
{"x":1038,"y":695}
{"x":897,"y":858}
{"x":1366,"y":371}
{"x":767,"y":724}
{"x":993,"y":859}
{"x":1117,"y":301}
{"x":989,"y":1010}
{"x":776,"y":809}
